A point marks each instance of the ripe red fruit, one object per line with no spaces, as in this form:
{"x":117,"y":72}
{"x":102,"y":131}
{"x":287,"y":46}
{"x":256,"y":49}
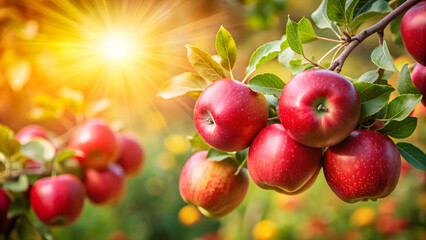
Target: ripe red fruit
{"x":364,"y":166}
{"x":212,"y":186}
{"x":30,"y":132}
{"x":413,"y":31}
{"x":95,"y":144}
{"x":5,"y":223}
{"x":277,"y":162}
{"x":419,"y":79}
{"x":132,"y":155}
{"x":319,"y":108}
{"x":105,"y":186}
{"x":228,"y":114}
{"x":59,"y":200}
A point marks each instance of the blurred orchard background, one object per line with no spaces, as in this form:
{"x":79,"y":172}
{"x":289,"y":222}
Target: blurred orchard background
{"x":51,"y":45}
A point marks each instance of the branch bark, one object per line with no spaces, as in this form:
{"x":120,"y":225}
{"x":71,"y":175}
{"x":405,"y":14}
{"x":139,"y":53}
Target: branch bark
{"x":378,"y":27}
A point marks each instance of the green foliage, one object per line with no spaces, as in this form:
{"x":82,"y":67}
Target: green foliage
{"x":217,"y":156}
{"x":265,"y":53}
{"x":39,"y":150}
{"x":373,"y":97}
{"x":413,"y":155}
{"x":198,"y":143}
{"x":320,"y":16}
{"x":366,"y":9}
{"x":64,"y":155}
{"x":336,"y":11}
{"x":24,"y":230}
{"x":21,"y":185}
{"x":369,"y":77}
{"x":400,"y":107}
{"x":185,"y":83}
{"x":267,"y":83}
{"x":405,"y":84}
{"x":9,"y":145}
{"x":400,"y":129}
{"x":226,"y":48}
{"x":204,"y":64}
{"x":293,"y":37}
{"x":382,"y":58}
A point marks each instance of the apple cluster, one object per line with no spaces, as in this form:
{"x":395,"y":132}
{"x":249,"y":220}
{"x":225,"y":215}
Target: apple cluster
{"x":102,"y":160}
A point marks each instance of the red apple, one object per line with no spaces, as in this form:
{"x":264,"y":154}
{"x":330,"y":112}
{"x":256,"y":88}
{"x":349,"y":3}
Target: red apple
{"x":5,"y":223}
{"x":95,"y":144}
{"x":105,"y":186}
{"x":413,"y":31}
{"x":364,"y":166}
{"x":228,"y":114}
{"x":419,"y":79}
{"x":132,"y":155}
{"x":59,"y":200}
{"x":30,"y":132}
{"x":212,"y":186}
{"x":277,"y":162}
{"x":319,"y":108}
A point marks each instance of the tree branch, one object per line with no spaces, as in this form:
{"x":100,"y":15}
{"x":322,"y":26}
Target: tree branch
{"x":379,"y":26}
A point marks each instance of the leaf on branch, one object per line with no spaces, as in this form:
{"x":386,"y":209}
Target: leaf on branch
{"x":285,"y":57}
{"x":64,"y":155}
{"x":183,"y":84}
{"x":267,"y":83}
{"x":296,"y":66}
{"x":265,"y":53}
{"x":306,"y":31}
{"x":366,"y":9}
{"x":217,"y":156}
{"x":413,"y":155}
{"x":370,"y":77}
{"x":382,"y":58}
{"x":373,"y":97}
{"x":336,"y":11}
{"x":226,"y":48}
{"x":242,"y":156}
{"x":293,"y":37}
{"x":9,"y":145}
{"x":405,"y":84}
{"x":38,"y":149}
{"x":395,"y":27}
{"x":198,"y":144}
{"x":21,"y":185}
{"x":349,"y":10}
{"x":204,"y":64}
{"x":400,"y":129}
{"x":320,"y":16}
{"x":24,"y":230}
{"x":400,"y":107}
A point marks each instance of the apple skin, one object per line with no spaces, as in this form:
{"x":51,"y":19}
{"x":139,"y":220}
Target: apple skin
{"x":275,"y":161}
{"x":5,"y":223}
{"x":132,"y":156}
{"x":419,"y":79}
{"x":96,"y":145}
{"x":413,"y":31}
{"x":364,"y":166}
{"x":319,"y":108}
{"x":105,"y":186}
{"x":30,"y":132}
{"x":212,"y":186}
{"x":228,"y":115}
{"x":58,"y":201}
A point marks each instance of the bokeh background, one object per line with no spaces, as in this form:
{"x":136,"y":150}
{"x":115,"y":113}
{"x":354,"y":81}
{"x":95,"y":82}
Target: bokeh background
{"x":46,"y":45}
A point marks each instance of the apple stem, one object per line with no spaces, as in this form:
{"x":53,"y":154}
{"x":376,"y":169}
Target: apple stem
{"x":240,"y":167}
{"x":322,"y":108}
{"x":379,"y":26}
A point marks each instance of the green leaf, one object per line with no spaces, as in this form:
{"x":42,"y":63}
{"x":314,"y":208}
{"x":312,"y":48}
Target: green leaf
{"x":8,"y":144}
{"x":382,"y":58}
{"x":320,"y":16}
{"x":293,"y":37}
{"x":373,"y":97}
{"x":204,"y":64}
{"x":21,"y":185}
{"x":267,"y":83}
{"x":395,"y":27}
{"x":242,"y":155}
{"x":400,"y":107}
{"x":366,"y":9}
{"x":336,"y":11}
{"x":183,"y":84}
{"x":217,"y":156}
{"x":226,"y":48}
{"x":17,"y":207}
{"x":350,"y":7}
{"x":265,"y":53}
{"x":306,"y":31}
{"x":405,"y":84}
{"x":296,"y":66}
{"x":370,"y":77}
{"x":198,"y":143}
{"x":64,"y":155}
{"x":413,"y":155}
{"x":285,"y":57}
{"x":400,"y":129}
{"x":38,"y":149}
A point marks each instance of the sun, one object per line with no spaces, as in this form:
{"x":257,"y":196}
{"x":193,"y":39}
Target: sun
{"x":117,"y":47}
